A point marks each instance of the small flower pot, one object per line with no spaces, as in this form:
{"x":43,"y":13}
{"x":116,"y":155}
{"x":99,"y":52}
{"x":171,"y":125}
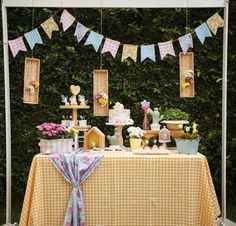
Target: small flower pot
{"x":83,"y":122}
{"x":68,"y":123}
{"x":187,"y":146}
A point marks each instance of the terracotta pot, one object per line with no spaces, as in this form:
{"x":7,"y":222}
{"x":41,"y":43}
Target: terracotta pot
{"x":173,"y":124}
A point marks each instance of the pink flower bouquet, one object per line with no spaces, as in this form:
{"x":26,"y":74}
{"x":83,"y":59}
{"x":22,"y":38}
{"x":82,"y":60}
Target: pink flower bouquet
{"x":56,"y":131}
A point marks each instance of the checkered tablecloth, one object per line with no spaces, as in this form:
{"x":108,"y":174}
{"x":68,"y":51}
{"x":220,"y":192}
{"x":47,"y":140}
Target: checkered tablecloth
{"x":126,"y":190}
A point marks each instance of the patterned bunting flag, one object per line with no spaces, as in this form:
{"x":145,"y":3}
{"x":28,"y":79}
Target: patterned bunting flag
{"x":111,"y":46}
{"x":66,"y":19}
{"x":186,"y":42}
{"x":17,"y":45}
{"x":148,"y":51}
{"x":166,"y":48}
{"x":202,"y":32}
{"x":94,"y":39}
{"x":80,"y":31}
{"x":49,"y":26}
{"x":33,"y":37}
{"x":129,"y":51}
{"x":214,"y":22}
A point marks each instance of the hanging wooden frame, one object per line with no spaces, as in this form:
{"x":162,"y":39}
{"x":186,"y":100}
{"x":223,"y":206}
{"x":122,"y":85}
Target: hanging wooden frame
{"x":31,"y":75}
{"x":186,"y":62}
{"x":100,"y":85}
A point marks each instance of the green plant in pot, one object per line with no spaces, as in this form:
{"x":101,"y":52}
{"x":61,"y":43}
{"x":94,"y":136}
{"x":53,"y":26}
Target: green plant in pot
{"x":187,"y":142}
{"x":174,"y":117}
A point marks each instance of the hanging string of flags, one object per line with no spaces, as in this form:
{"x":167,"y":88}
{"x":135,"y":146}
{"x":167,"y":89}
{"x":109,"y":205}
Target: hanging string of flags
{"x":129,"y":51}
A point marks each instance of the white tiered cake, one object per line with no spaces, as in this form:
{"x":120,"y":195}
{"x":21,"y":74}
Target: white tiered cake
{"x":119,"y":115}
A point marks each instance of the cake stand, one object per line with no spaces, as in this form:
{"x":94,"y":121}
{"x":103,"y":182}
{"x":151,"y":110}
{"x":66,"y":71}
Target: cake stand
{"x":119,"y":126}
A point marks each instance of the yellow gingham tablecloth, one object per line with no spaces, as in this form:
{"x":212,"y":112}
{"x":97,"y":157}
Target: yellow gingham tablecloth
{"x":126,"y":190}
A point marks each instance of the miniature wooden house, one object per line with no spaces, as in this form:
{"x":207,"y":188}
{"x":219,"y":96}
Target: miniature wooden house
{"x":94,"y":138}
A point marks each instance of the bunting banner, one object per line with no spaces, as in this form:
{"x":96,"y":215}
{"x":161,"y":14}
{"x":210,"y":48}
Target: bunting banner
{"x":129,"y":51}
{"x":17,"y":45}
{"x":49,"y":26}
{"x":186,"y":41}
{"x":80,"y":31}
{"x":202,"y":32}
{"x":166,"y":48}
{"x":66,"y":19}
{"x":215,"y":22}
{"x":110,"y":46}
{"x":148,"y":51}
{"x":94,"y":39}
{"x":33,"y":37}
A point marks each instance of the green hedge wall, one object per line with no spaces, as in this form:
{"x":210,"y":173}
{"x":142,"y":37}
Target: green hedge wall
{"x":65,"y":62}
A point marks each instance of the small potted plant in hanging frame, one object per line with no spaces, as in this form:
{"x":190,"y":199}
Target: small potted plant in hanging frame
{"x":187,"y":141}
{"x":101,"y":98}
{"x":173,"y":117}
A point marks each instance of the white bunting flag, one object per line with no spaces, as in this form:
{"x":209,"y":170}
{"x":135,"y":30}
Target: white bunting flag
{"x":94,"y":39}
{"x":129,"y":51}
{"x":80,"y":31}
{"x":33,"y":37}
{"x":166,"y":48}
{"x":17,"y":45}
{"x":186,"y":42}
{"x":49,"y":26}
{"x":202,"y":32}
{"x":148,"y":51}
{"x":66,"y":19}
{"x":215,"y":22}
{"x":111,"y":46}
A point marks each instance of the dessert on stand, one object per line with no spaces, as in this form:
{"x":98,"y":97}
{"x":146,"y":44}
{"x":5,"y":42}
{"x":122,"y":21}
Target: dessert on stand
{"x":119,"y":117}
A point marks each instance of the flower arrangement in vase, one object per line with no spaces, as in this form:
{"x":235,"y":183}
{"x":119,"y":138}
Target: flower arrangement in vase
{"x":56,"y":138}
{"x":135,"y":134}
{"x":101,"y":98}
{"x":187,"y":141}
{"x":145,"y":106}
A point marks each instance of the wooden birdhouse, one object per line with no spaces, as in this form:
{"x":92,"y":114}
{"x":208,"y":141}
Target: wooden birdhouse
{"x":94,"y":138}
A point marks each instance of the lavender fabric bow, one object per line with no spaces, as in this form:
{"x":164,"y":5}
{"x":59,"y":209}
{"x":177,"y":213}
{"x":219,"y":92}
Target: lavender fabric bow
{"x":75,"y":167}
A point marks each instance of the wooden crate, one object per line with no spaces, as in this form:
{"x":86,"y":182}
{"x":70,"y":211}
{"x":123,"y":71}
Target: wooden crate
{"x":100,"y":84}
{"x":32,"y":72}
{"x":186,"y":62}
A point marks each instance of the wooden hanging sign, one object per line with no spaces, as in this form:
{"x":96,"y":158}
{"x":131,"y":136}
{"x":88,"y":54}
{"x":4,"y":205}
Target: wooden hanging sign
{"x":31,"y":81}
{"x":100,"y":87}
{"x":186,"y":73}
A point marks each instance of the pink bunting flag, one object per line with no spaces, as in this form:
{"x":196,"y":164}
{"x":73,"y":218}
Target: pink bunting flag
{"x":17,"y":45}
{"x":66,"y":19}
{"x":111,"y":46}
{"x":166,"y":48}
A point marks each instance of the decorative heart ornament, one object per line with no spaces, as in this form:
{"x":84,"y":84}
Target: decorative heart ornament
{"x":75,"y":89}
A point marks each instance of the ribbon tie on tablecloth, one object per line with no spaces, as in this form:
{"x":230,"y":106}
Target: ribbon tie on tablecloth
{"x":75,"y":167}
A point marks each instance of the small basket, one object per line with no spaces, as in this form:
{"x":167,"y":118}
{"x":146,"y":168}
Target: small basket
{"x":56,"y":146}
